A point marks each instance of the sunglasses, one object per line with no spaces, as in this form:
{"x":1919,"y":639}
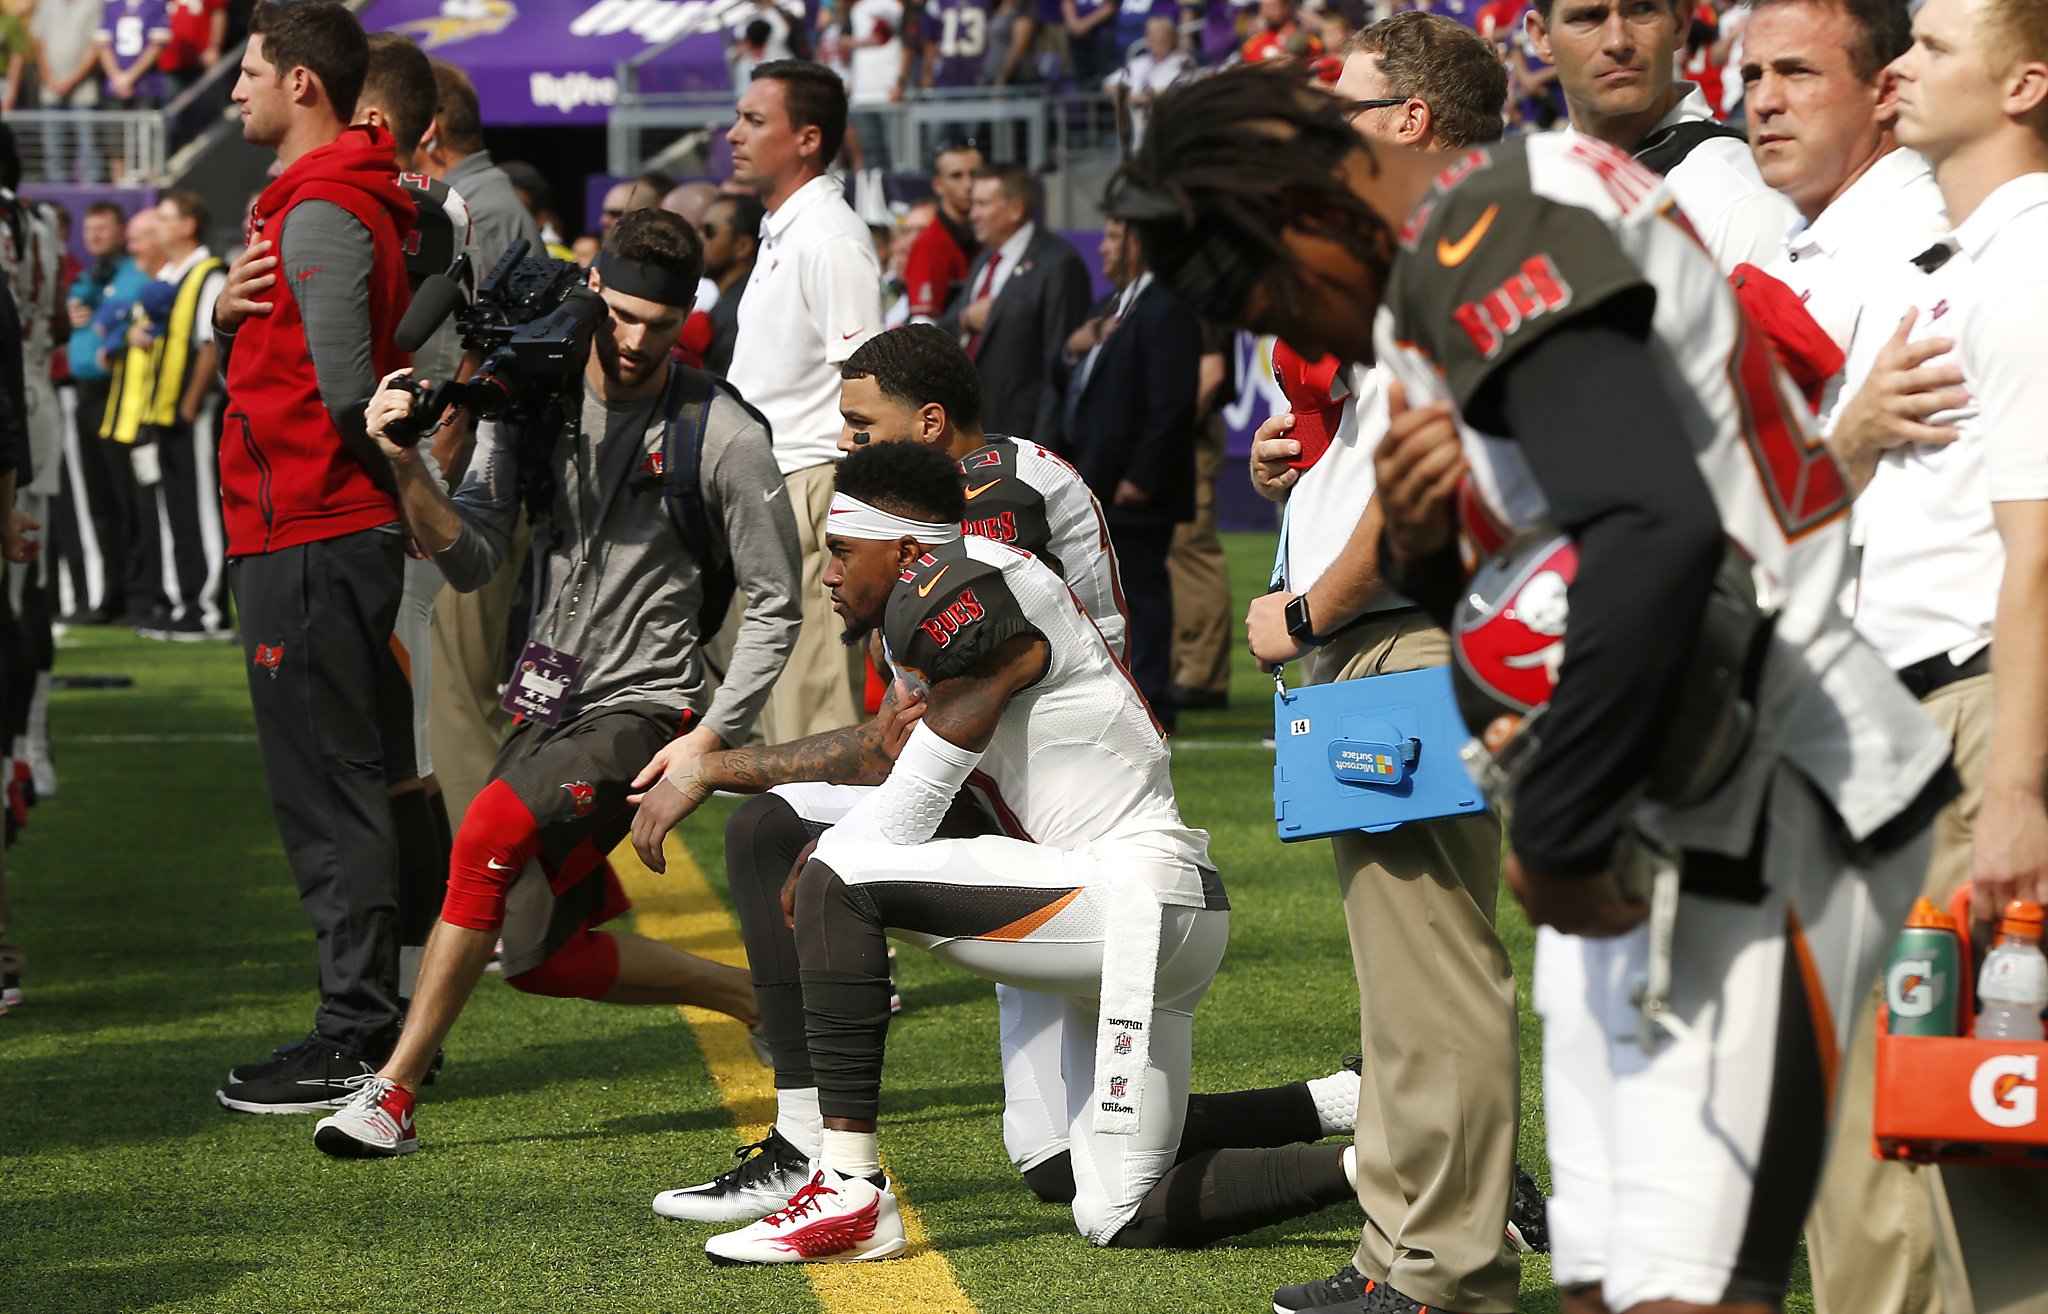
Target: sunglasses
{"x":1357,"y":107}
{"x":614,"y":214}
{"x":708,"y":231}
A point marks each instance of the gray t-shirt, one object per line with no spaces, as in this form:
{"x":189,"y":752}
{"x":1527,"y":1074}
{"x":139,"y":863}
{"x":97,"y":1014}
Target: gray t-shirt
{"x":615,"y":587}
{"x":495,"y":214}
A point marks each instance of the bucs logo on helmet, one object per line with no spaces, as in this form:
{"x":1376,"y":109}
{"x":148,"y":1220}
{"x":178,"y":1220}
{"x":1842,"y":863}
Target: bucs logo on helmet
{"x":1508,"y":635}
{"x":582,"y":797}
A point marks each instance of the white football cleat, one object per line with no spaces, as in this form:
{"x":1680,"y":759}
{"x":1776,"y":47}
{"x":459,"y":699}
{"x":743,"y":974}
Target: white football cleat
{"x":833,"y":1220}
{"x":769,"y":1172}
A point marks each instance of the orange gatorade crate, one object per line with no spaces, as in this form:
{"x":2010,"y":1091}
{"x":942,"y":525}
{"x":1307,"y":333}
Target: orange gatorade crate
{"x":1956,"y":1099}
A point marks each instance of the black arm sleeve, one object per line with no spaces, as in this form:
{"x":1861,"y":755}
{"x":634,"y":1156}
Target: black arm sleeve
{"x":1621,"y":477}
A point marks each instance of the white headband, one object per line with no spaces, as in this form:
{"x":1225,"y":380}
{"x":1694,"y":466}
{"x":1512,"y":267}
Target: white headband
{"x":852,"y":518}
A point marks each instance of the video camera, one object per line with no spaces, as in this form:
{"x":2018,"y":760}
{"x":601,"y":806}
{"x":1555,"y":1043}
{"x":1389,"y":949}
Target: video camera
{"x":533,"y":320}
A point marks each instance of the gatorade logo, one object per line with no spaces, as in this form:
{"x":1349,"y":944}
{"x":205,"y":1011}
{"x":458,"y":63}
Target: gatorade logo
{"x":1911,"y":989}
{"x":2003,"y":1090}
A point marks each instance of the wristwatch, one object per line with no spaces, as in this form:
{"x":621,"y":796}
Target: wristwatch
{"x":1298,"y":626}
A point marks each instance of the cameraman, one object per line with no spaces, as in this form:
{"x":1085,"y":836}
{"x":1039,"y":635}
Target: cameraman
{"x":618,"y":605}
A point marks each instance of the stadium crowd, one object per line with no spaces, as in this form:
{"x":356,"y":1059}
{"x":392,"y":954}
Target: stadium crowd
{"x":1709,"y":335}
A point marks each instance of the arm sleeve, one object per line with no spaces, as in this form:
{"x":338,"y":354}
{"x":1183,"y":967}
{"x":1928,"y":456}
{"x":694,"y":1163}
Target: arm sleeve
{"x":2007,"y":343}
{"x":488,"y":501}
{"x":911,"y":802}
{"x":326,"y":259}
{"x":743,"y":490}
{"x":844,"y":292}
{"x":1621,"y":478}
{"x":1170,"y":361}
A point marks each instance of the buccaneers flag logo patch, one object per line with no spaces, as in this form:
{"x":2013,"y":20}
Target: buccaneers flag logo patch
{"x":269,"y":657}
{"x":582,"y":797}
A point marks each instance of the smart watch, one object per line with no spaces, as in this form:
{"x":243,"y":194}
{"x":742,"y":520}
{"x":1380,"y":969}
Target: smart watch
{"x":1298,"y":626}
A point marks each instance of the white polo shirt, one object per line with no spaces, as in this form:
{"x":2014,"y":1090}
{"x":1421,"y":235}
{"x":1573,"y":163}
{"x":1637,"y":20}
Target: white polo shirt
{"x":1932,"y":558}
{"x":1736,"y":214}
{"x":1852,"y":264}
{"x":814,"y":297}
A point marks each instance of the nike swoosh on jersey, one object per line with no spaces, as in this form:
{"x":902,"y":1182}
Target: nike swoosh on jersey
{"x":924,"y":590}
{"x":973,"y":493}
{"x":769,"y":495}
{"x":495,"y":865}
{"x":1450,"y":253}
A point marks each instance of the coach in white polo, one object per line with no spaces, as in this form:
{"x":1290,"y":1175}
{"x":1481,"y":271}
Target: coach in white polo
{"x":815,"y":296}
{"x":1955,"y":552}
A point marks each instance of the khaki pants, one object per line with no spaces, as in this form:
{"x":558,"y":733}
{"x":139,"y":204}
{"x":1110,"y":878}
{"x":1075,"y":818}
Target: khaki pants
{"x":1886,"y":1238}
{"x":820,"y":688}
{"x":1441,"y":1095}
{"x":1201,"y":580}
{"x":465,"y":720}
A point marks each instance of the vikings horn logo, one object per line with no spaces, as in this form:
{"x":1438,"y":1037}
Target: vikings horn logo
{"x":582,"y":797}
{"x":459,"y":20}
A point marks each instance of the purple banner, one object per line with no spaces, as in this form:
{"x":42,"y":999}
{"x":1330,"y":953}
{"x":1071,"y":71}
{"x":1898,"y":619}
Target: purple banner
{"x":551,"y":62}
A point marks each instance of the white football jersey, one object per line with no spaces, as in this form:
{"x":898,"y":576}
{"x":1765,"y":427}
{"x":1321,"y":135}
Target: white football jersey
{"x":32,"y":256}
{"x":1518,"y":239}
{"x":1077,"y":761}
{"x":1021,"y":494}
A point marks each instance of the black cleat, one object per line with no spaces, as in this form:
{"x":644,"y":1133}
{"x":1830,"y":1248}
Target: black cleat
{"x":770,"y":1171}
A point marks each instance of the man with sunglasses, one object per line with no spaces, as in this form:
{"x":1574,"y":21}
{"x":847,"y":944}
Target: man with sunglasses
{"x":732,"y":241}
{"x":1441,"y":1083}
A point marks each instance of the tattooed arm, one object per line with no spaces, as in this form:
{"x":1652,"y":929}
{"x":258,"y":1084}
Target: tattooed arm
{"x":966,"y":709}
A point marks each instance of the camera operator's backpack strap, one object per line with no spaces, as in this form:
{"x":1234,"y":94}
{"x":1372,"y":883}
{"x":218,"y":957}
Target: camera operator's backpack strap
{"x":682,"y":491}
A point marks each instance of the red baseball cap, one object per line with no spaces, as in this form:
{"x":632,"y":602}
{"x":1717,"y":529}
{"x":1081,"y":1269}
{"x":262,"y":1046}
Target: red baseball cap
{"x":1316,"y":392}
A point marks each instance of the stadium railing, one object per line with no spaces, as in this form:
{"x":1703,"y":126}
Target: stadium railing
{"x":127,"y":146}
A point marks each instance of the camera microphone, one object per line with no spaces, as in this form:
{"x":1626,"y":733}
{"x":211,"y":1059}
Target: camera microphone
{"x":436,"y":299}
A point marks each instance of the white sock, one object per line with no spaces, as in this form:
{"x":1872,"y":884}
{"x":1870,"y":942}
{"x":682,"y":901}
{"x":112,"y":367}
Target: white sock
{"x":1336,"y":1098}
{"x":851,"y":1154}
{"x":798,"y":1119}
{"x":1350,"y":1162}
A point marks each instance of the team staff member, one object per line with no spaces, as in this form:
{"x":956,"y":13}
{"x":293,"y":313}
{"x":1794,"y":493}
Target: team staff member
{"x":936,"y":268}
{"x":732,"y":246}
{"x":1617,"y":62}
{"x":815,"y":296}
{"x":1418,"y":900}
{"x":1259,"y":201}
{"x":1822,"y":104}
{"x":614,"y":654}
{"x":182,"y":425}
{"x":1953,"y":590}
{"x":316,"y":560}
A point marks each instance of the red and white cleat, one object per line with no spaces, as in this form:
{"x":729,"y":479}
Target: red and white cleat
{"x":376,"y":1124}
{"x":833,"y":1220}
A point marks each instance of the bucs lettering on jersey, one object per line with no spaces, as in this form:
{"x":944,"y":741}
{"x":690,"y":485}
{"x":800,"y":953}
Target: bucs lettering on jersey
{"x":1020,"y":494}
{"x":1077,"y":761}
{"x":954,"y":36}
{"x":1519,"y":239}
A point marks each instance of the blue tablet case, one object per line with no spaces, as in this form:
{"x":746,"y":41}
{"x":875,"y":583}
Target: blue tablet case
{"x":1369,"y":755}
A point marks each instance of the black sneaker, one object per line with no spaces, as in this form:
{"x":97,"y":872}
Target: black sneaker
{"x":769,"y":1173}
{"x":265,"y":1069}
{"x":1346,"y":1288}
{"x":1383,"y":1299}
{"x":1528,"y":1215}
{"x":313,"y":1079}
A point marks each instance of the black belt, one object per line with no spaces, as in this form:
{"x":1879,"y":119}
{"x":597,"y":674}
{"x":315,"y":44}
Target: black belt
{"x":1938,"y":672}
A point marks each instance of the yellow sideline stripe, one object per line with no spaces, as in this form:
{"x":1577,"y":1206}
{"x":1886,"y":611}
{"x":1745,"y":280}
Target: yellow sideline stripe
{"x":681,"y":910}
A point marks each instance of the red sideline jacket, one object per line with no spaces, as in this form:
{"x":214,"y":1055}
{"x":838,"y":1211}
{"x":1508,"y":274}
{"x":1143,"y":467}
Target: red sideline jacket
{"x":286,"y":477}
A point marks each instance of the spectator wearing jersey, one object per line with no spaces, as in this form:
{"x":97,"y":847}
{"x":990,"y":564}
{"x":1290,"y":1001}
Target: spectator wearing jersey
{"x":1617,"y":61}
{"x":198,"y":29}
{"x":1418,"y":900}
{"x":761,"y":33}
{"x":131,"y":37}
{"x":1025,"y":294}
{"x":814,"y":297}
{"x":1129,"y":379}
{"x":1091,"y":38}
{"x":1148,"y":72}
{"x":1012,"y":43}
{"x":936,"y":268}
{"x":1955,"y":550}
{"x":732,"y":241}
{"x":879,"y":68}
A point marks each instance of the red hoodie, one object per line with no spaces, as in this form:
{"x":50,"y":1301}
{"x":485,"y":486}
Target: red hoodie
{"x":286,"y":476}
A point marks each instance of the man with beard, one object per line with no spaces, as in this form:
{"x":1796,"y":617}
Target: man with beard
{"x":613,"y":671}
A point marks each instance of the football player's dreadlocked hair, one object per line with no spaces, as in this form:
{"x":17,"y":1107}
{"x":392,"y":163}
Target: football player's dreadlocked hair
{"x":1230,"y":161}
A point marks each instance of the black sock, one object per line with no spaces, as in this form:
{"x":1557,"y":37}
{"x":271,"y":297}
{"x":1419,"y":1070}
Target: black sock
{"x":1053,"y":1180}
{"x":762,"y":842}
{"x":1250,"y":1120}
{"x":1222,"y":1193}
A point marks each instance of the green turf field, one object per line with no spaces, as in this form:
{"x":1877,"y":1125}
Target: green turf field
{"x":166,"y":944}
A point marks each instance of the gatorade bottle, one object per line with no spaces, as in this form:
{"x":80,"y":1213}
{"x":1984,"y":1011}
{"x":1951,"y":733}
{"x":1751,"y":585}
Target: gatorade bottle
{"x":1920,"y":980}
{"x":2013,"y":989}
